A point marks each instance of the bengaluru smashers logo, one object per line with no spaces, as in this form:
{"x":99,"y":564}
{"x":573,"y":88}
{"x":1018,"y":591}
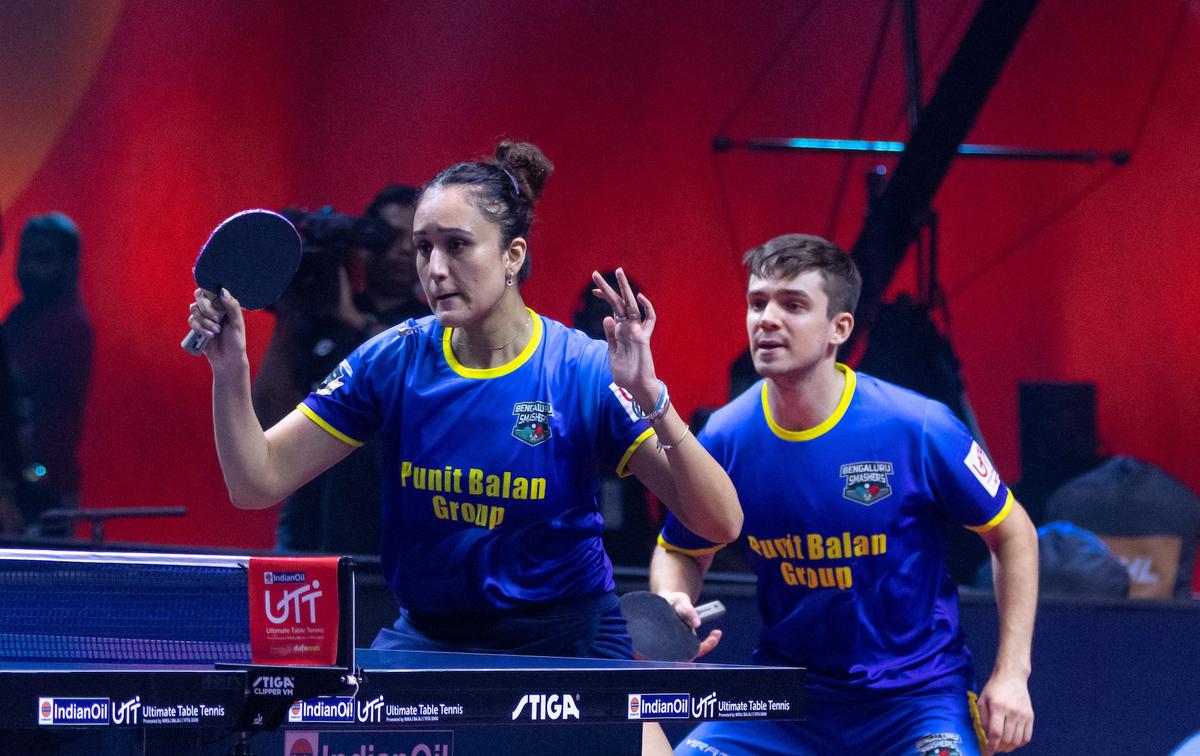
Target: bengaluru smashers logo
{"x":533,"y":422}
{"x":867,"y":482}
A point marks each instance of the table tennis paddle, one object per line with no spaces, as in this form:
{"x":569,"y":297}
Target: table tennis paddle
{"x":657,"y":632}
{"x":254,"y":255}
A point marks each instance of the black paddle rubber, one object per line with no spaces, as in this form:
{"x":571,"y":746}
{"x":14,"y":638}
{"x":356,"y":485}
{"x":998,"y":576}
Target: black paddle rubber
{"x":254,"y":255}
{"x":657,"y":632}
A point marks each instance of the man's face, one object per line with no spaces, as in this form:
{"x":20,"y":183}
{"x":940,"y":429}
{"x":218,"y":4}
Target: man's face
{"x":788,"y":324}
{"x":393,"y":271}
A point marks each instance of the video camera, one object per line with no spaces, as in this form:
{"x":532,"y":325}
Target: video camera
{"x":330,"y":239}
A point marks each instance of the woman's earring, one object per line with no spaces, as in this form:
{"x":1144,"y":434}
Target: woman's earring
{"x":508,"y":281}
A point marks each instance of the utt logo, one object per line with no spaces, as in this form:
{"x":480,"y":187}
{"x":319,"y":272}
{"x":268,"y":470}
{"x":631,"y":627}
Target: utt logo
{"x":705,"y":706}
{"x":542,"y":706}
{"x":370,"y":711}
{"x":289,"y":605}
{"x":127,"y":713}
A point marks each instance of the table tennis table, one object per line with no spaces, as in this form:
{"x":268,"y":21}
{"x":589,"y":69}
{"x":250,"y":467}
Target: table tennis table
{"x":179,"y":700}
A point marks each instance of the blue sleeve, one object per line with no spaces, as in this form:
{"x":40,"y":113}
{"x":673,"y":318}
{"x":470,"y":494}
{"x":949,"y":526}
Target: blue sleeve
{"x":346,"y":404}
{"x":965,"y":483}
{"x":674,"y":536}
{"x":622,"y":432}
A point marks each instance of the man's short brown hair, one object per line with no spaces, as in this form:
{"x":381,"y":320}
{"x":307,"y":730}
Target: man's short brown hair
{"x":792,"y":254}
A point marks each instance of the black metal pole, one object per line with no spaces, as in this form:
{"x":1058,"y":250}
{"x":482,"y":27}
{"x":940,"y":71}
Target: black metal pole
{"x":912,"y":64}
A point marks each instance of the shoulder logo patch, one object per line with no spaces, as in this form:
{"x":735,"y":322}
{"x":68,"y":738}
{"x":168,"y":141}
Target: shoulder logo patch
{"x":336,"y":379}
{"x":867,"y":482}
{"x":626,"y":400}
{"x":533,"y":422}
{"x":981,"y":467}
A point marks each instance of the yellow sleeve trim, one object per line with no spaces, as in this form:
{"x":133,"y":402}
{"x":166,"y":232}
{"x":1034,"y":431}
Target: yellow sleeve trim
{"x":637,"y":444}
{"x":999,"y":518}
{"x":688,"y":552}
{"x":320,"y":421}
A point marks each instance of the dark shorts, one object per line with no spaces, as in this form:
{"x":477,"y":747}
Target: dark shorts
{"x":591,"y":626}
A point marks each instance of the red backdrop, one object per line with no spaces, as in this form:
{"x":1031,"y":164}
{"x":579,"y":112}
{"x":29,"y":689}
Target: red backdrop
{"x":149,"y":122}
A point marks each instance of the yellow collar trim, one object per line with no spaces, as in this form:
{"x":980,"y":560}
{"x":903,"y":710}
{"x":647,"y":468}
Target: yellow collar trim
{"x":826,"y":425}
{"x":494,"y":372}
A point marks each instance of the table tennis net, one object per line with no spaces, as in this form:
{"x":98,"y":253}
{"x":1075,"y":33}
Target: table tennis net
{"x":96,"y":607}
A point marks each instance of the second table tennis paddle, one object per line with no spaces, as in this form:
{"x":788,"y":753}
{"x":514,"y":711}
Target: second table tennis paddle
{"x":253,"y":254}
{"x":658,"y":632}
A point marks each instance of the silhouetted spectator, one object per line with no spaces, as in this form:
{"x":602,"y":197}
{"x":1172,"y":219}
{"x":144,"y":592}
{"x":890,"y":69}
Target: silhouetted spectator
{"x":49,"y":341}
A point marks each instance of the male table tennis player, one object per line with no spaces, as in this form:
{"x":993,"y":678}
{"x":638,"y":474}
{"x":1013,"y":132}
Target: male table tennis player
{"x":847,"y":483}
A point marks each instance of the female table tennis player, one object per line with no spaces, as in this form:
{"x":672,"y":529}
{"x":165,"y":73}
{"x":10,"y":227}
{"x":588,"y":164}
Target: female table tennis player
{"x":496,"y":422}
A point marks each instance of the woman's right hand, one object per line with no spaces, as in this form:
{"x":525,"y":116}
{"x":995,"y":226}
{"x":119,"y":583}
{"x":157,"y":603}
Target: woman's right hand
{"x":226,"y":347}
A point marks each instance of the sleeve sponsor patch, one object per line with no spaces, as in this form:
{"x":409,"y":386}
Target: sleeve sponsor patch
{"x":983,"y":470}
{"x":625,"y":398}
{"x":336,"y":379}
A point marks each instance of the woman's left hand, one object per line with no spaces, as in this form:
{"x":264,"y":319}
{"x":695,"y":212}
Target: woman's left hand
{"x":628,"y":338}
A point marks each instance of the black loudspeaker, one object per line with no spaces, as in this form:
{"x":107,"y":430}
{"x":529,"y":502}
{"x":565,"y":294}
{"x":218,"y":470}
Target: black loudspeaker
{"x":1058,"y":438}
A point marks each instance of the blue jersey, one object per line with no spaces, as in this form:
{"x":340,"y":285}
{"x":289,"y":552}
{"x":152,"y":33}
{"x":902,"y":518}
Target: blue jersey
{"x":489,"y":475}
{"x":845,"y":530}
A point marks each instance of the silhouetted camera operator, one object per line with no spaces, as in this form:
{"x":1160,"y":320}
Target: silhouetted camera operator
{"x":320,"y":319}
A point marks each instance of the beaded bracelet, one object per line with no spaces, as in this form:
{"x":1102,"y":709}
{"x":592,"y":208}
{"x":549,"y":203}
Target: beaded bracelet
{"x":660,"y":407}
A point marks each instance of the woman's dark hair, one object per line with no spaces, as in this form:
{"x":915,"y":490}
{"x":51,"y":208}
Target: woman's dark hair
{"x":505,"y":190}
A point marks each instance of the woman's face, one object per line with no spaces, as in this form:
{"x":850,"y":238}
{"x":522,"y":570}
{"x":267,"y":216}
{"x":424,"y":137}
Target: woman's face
{"x":459,"y":259}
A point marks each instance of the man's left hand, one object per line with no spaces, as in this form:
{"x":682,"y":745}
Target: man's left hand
{"x":1006,"y":713}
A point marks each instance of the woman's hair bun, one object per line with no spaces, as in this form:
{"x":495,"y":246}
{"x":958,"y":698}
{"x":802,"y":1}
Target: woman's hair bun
{"x":527,"y":165}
